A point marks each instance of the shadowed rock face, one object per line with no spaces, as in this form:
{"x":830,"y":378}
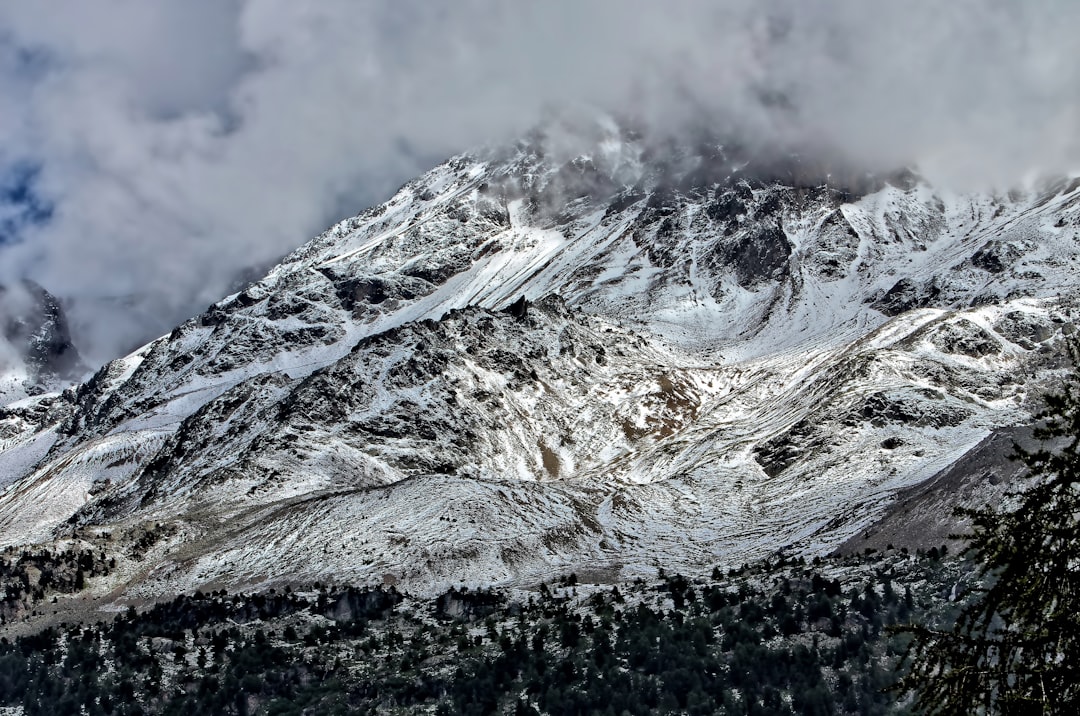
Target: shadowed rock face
{"x":35,"y":325}
{"x":996,"y":256}
{"x":760,"y":258}
{"x":906,"y":295}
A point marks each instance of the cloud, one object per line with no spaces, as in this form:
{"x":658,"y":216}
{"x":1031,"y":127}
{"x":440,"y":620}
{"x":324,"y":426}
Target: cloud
{"x":177,"y":142}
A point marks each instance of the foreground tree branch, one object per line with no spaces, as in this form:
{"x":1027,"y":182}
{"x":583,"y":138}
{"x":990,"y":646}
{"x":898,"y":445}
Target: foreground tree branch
{"x":1015,"y":649}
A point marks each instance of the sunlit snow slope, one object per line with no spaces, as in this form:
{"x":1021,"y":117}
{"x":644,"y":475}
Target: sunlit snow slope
{"x":617,"y":356}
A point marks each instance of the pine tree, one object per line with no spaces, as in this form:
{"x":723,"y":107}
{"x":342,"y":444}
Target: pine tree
{"x":1015,"y":649}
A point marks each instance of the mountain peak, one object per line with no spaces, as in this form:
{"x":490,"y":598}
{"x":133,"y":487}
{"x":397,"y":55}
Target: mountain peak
{"x":587,"y":348}
{"x":37,"y":353}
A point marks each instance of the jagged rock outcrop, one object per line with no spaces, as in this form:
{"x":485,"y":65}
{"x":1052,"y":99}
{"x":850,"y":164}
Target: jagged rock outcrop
{"x":36,"y":351}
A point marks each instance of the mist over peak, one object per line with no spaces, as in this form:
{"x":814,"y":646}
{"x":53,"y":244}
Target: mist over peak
{"x":179,"y":143}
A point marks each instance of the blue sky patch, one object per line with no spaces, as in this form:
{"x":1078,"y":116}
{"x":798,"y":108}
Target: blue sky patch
{"x":21,"y":205}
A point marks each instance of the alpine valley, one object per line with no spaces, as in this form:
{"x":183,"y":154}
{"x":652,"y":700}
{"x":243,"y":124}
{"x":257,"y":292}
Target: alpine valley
{"x":591,"y":351}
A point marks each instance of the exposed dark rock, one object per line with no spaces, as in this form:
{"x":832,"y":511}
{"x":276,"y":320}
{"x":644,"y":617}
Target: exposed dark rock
{"x":879,"y":409}
{"x":359,"y":604}
{"x":432,"y":272}
{"x":372,"y":291}
{"x":1024,"y":329}
{"x":761,"y":257}
{"x":38,"y":329}
{"x":838,"y":249}
{"x":463,"y":604}
{"x":966,"y":338}
{"x":891,"y":443}
{"x":727,"y":209}
{"x":624,"y":200}
{"x":776,"y":455}
{"x":996,"y":256}
{"x":518,"y":309}
{"x":907,"y":294}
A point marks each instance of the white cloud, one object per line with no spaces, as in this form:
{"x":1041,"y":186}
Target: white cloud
{"x":183,"y":140}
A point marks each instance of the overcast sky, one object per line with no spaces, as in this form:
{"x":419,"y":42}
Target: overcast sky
{"x":151,"y":149}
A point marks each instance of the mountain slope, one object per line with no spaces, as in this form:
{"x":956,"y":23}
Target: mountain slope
{"x":534,"y":359}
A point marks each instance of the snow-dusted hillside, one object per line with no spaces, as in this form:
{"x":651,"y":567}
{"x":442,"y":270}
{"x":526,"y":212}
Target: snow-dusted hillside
{"x":531,"y":360}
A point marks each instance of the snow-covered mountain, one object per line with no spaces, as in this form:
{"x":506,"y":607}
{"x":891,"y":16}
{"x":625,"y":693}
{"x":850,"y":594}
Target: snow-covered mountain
{"x":36,"y":352}
{"x":588,"y":351}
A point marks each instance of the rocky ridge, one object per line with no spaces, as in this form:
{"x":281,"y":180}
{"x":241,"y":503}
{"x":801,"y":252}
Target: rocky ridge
{"x":541,"y":358}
